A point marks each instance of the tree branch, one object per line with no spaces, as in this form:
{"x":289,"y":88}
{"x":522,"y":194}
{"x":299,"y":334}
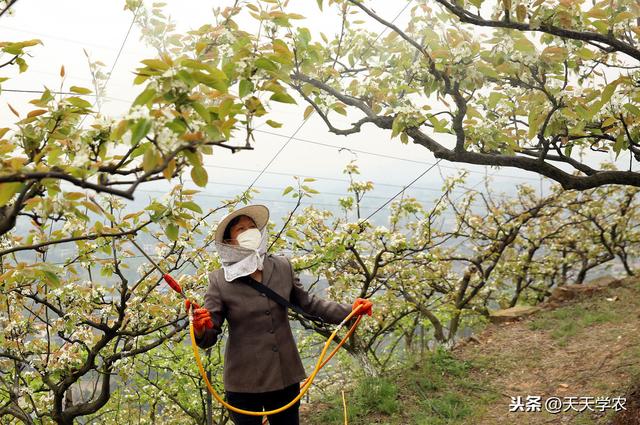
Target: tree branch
{"x":589,"y":36}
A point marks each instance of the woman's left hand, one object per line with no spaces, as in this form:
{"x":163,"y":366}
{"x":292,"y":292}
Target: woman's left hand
{"x":366,"y":306}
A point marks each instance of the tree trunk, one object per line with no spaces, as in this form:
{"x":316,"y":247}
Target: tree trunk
{"x":365,"y":363}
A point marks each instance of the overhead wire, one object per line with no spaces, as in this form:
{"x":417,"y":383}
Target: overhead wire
{"x":327,"y":178}
{"x":381,"y":155}
{"x":305,"y":120}
{"x":124,"y":41}
{"x":402,"y":191}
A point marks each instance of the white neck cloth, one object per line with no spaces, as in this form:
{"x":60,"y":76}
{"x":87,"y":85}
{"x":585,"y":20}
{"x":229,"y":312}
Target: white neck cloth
{"x":239,"y":261}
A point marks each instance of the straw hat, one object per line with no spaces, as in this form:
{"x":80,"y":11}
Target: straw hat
{"x":259,"y":214}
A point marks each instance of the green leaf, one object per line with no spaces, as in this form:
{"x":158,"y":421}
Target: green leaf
{"x":567,"y":150}
{"x":78,"y":102}
{"x":266,"y":64}
{"x":487,"y":70}
{"x":7,"y":190}
{"x":283,"y":97}
{"x":619,"y":145}
{"x":193,"y":158}
{"x":52,"y":277}
{"x":524,"y":45}
{"x":282,"y":51}
{"x":273,"y":124}
{"x":397,"y":126}
{"x":156,"y":64}
{"x":583,"y":112}
{"x":79,"y":90}
{"x":439,"y":126}
{"x":597,"y":12}
{"x":339,"y":108}
{"x":139,"y":130}
{"x":144,"y":97}
{"x":193,"y":64}
{"x":584,"y":53}
{"x":536,"y":118}
{"x":601,"y":26}
{"x":186,"y":77}
{"x":287,"y":190}
{"x":172,"y":231}
{"x":216,"y":79}
{"x":632,"y":108}
{"x":304,"y":36}
{"x":494,"y":98}
{"x":309,"y":189}
{"x":623,"y":16}
{"x":246,"y":87}
{"x":202,"y":111}
{"x":608,"y":91}
{"x":17,"y":48}
{"x":149,"y":158}
{"x":177,"y":126}
{"x":192,"y":206}
{"x":199,"y":176}
{"x":22,"y":64}
{"x":119,"y":131}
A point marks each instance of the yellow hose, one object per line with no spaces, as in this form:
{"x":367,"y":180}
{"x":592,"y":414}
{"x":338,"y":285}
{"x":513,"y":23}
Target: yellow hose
{"x":344,"y":407}
{"x":305,"y":387}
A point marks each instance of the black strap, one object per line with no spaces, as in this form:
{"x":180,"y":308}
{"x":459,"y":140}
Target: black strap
{"x":277,"y":298}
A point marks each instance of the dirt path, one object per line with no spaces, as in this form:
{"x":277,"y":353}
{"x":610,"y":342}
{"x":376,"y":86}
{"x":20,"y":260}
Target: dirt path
{"x":585,"y":348}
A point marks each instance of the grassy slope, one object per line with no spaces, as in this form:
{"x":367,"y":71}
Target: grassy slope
{"x":588,"y":347}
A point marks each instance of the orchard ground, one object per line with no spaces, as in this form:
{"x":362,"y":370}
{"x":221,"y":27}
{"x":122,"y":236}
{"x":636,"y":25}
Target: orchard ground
{"x":588,"y":346}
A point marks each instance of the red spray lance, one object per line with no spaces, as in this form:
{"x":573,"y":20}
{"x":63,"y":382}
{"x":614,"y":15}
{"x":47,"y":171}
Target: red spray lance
{"x":166,"y":276}
{"x":170,"y":281}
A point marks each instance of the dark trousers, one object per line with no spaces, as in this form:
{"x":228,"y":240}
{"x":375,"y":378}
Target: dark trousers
{"x":270,"y":400}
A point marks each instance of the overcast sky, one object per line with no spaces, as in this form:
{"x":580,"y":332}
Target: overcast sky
{"x":67,"y":27}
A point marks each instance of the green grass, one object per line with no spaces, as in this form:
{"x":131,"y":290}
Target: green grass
{"x":446,"y":394}
{"x":435,"y":390}
{"x":566,"y":322}
{"x":370,"y":396}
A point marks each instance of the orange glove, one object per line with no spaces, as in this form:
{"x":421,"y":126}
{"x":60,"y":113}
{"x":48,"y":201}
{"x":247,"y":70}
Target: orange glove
{"x":201,"y":318}
{"x":366,"y":306}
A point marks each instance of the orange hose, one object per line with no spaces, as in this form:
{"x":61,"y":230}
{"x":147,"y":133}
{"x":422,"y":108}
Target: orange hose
{"x":305,"y":387}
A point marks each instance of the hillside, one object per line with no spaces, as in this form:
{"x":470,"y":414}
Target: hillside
{"x":587,"y":346}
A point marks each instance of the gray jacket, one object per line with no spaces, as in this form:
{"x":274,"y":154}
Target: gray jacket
{"x":261,"y":354}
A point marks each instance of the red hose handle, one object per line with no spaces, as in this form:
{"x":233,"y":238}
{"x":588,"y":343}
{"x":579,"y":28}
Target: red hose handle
{"x":172,"y":283}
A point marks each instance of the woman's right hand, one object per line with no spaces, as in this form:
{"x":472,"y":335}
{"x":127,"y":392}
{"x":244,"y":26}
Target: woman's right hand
{"x":201,"y":318}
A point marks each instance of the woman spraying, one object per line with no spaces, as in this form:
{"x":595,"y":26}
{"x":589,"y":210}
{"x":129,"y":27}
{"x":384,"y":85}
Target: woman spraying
{"x":262,"y":366}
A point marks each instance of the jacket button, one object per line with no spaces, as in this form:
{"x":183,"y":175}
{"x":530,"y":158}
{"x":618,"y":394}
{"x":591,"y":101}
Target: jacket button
{"x":274,"y":348}
{"x":268,"y":312}
{"x":263,"y":295}
{"x":271,"y":331}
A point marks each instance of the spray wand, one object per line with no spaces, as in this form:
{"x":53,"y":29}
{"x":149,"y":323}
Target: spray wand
{"x":166,"y":276}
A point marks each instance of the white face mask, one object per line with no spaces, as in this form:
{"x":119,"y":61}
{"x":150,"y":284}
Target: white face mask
{"x":250,"y":238}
